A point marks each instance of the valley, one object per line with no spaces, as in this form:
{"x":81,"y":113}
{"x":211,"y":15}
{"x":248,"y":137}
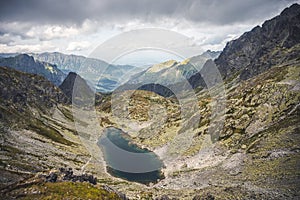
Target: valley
{"x":175,"y":130}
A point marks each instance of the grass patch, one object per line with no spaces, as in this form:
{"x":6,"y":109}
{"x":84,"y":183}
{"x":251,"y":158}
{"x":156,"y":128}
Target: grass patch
{"x":48,"y":132}
{"x":67,"y":113}
{"x":10,"y":149}
{"x":67,"y":190}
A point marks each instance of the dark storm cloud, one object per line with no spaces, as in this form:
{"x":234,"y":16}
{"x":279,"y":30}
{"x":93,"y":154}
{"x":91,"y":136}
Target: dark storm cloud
{"x":76,"y":11}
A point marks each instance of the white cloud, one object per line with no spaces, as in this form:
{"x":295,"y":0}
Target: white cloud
{"x":78,"y":46}
{"x":6,"y":39}
{"x":26,"y":48}
{"x":75,"y":12}
{"x":202,"y":35}
{"x":82,"y":38}
{"x":47,"y":32}
{"x":15,"y":29}
{"x":50,"y":32}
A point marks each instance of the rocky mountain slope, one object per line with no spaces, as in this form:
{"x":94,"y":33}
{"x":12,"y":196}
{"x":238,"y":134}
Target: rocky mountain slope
{"x":37,"y":134}
{"x":26,"y":63}
{"x":22,"y":94}
{"x":275,"y":42}
{"x":27,"y":101}
{"x":263,"y":47}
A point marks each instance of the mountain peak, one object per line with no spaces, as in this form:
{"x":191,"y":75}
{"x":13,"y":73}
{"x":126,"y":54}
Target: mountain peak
{"x":25,"y":58}
{"x":161,"y":66}
{"x":211,"y":54}
{"x":72,"y":75}
{"x":292,"y":10}
{"x":76,"y":89}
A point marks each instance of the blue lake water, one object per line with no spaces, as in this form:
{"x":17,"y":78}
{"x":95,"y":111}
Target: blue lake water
{"x":128,"y":161}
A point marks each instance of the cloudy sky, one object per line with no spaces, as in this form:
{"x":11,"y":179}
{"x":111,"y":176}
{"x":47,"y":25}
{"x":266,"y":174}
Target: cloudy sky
{"x":78,"y":27}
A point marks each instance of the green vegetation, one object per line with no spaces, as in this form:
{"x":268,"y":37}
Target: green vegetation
{"x":67,"y":113}
{"x":48,"y":132}
{"x":66,"y":190}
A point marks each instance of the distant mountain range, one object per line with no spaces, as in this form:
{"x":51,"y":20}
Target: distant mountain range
{"x":7,"y":55}
{"x":99,"y":74}
{"x":171,"y":72}
{"x":159,"y":77}
{"x":26,"y":63}
{"x":103,"y":76}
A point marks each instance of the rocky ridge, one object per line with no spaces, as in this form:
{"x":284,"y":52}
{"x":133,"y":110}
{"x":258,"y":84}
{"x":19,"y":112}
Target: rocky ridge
{"x":28,"y":64}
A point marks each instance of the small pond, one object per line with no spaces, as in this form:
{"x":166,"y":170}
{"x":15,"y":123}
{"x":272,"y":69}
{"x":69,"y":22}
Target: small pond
{"x":127,"y":160}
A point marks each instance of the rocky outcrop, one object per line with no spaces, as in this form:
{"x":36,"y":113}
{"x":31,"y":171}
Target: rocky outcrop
{"x":66,"y":174}
{"x":60,"y":185}
{"x":165,"y":91}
